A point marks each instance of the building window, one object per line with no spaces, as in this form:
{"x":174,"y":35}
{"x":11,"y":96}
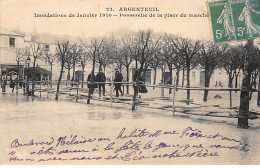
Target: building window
{"x":47,"y":47}
{"x":11,"y":42}
{"x":193,"y":73}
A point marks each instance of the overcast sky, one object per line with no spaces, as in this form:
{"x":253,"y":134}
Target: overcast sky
{"x":20,"y":13}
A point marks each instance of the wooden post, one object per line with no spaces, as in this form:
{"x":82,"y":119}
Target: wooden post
{"x":77,"y":92}
{"x":24,"y":88}
{"x":258,"y":93}
{"x":134,"y":97}
{"x":40,"y":89}
{"x":47,"y":91}
{"x":17,"y":85}
{"x":173,"y":97}
{"x":111,"y":93}
{"x":89,"y":95}
{"x":162,"y":91}
{"x":244,"y":95}
{"x":230,"y":98}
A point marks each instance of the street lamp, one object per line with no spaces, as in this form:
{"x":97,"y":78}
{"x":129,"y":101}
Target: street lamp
{"x":27,"y":61}
{"x":18,"y":57}
{"x":50,"y":60}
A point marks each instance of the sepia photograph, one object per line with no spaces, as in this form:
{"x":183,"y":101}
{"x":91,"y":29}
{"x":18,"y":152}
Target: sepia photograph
{"x":136,"y":82}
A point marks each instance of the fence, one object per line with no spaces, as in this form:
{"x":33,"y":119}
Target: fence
{"x":76,"y":90}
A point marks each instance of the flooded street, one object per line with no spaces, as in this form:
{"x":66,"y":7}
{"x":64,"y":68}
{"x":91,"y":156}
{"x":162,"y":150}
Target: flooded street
{"x":26,"y":118}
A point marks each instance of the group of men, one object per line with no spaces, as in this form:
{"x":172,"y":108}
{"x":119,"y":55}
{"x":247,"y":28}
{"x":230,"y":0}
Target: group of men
{"x":12,"y":84}
{"x":101,"y":79}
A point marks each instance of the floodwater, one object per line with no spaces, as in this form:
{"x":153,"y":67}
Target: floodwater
{"x":26,"y":118}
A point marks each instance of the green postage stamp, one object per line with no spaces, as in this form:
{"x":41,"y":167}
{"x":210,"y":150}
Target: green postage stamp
{"x":234,"y":19}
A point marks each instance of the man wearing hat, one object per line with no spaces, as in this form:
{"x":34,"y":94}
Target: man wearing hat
{"x":118,"y":78}
{"x":91,"y":79}
{"x":101,"y":77}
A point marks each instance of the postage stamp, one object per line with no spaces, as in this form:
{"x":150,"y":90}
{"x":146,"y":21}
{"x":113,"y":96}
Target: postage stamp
{"x":234,"y":19}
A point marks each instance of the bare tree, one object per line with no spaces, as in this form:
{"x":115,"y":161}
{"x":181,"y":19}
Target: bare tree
{"x":129,"y":52}
{"x":106,"y":52}
{"x":155,"y":63}
{"x":94,"y":47}
{"x":169,"y":54}
{"x":209,"y":59}
{"x":37,"y":52}
{"x":246,"y":86}
{"x":148,"y":45}
{"x":233,"y":61}
{"x":117,"y":56}
{"x":50,"y":58}
{"x":20,"y":53}
{"x":84,"y":59}
{"x":75,"y":55}
{"x":62,"y":52}
{"x":188,"y":49}
{"x":69,"y":62}
{"x":173,"y":56}
{"x":254,"y":65}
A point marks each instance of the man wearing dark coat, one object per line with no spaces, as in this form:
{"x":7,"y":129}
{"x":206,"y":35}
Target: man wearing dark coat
{"x":118,"y":78}
{"x":4,"y":83}
{"x":101,"y":77}
{"x":91,"y":78}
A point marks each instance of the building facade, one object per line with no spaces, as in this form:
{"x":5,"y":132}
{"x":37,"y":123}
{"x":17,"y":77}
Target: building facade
{"x":11,"y":49}
{"x":14,"y":54}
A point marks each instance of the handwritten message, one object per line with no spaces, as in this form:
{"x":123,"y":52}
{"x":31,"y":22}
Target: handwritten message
{"x":125,"y":145}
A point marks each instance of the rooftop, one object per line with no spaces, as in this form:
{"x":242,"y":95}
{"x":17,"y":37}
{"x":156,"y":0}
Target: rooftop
{"x":4,"y":31}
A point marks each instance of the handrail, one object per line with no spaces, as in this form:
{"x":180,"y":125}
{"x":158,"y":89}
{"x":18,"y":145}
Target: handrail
{"x":147,"y":85}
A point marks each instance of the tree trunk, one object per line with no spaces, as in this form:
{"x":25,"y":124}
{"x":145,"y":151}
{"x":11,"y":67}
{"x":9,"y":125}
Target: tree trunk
{"x":18,"y":74}
{"x":51,"y":76}
{"x":178,"y":76}
{"x":93,"y":65}
{"x":162,"y":81}
{"x":183,"y":76}
{"x":170,"y":82}
{"x":58,"y":84}
{"x":230,"y":81}
{"x":188,"y":80}
{"x":68,"y":75}
{"x":244,"y":102}
{"x":236,"y":82}
{"x":258,"y":94}
{"x":253,"y":84}
{"x":127,"y":79}
{"x":33,"y":76}
{"x":104,"y":68}
{"x":144,"y":72}
{"x":208,"y":73}
{"x":244,"y":95}
{"x":73,"y":71}
{"x":83,"y":69}
{"x":154,"y":77}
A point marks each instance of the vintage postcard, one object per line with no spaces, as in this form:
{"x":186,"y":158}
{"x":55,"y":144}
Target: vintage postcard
{"x":137,"y":82}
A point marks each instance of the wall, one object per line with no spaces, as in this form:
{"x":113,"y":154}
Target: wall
{"x":7,"y":53}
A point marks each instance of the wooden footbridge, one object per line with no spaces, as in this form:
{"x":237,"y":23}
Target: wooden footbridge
{"x":79,"y":92}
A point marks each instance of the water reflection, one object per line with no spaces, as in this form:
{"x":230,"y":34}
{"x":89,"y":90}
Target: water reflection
{"x":245,"y":155}
{"x":137,"y":115}
{"x":42,"y":117}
